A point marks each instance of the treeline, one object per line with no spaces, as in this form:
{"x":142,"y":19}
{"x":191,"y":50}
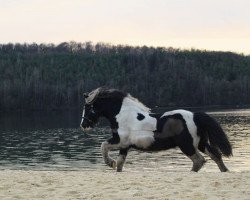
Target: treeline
{"x":47,"y":76}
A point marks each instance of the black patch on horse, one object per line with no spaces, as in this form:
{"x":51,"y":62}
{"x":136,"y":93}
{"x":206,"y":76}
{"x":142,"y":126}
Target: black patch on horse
{"x":161,"y":121}
{"x":155,"y":115}
{"x":115,"y":138}
{"x":140,"y":116}
{"x":124,"y":152}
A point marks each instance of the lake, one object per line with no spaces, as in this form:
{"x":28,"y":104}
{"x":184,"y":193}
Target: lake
{"x":54,"y":141}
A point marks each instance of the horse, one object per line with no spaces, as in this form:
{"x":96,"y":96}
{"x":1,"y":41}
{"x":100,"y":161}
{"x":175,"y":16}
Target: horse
{"x":134,"y":126}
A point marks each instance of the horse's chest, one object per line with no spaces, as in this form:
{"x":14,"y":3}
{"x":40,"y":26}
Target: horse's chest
{"x":136,"y":128}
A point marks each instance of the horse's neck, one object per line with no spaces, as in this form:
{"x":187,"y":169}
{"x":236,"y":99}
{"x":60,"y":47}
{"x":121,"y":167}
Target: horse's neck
{"x":110,"y":115}
{"x":113,"y":123}
{"x":130,"y":102}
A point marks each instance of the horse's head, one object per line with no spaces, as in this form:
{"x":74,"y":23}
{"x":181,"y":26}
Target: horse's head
{"x":90,"y":117}
{"x":101,"y":102}
{"x":91,"y":112}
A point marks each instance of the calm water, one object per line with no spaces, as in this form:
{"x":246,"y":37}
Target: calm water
{"x":53,"y":141}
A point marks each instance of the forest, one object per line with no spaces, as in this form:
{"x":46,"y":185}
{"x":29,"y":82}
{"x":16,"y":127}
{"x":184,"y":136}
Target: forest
{"x":52,"y":77}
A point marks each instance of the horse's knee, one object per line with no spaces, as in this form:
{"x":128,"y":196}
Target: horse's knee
{"x":103,"y":145}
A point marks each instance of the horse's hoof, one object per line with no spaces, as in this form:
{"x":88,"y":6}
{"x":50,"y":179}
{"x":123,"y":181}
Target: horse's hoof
{"x":198,"y":166}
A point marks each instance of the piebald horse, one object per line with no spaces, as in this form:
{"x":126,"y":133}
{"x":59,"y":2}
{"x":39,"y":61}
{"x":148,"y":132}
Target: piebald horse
{"x":134,"y":126}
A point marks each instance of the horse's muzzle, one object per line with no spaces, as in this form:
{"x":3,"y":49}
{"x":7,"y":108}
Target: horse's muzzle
{"x":85,"y":129}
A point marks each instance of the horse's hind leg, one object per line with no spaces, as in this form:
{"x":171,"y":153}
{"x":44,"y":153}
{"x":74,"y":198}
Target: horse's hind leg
{"x":198,"y":161}
{"x":189,"y":150}
{"x":121,"y":159}
{"x":186,"y":146}
{"x":215,"y":155}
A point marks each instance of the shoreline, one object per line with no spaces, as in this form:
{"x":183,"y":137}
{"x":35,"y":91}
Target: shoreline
{"x":108,"y":184}
{"x":207,"y":108}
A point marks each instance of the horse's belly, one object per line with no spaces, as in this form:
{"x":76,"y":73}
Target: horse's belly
{"x":142,"y":139}
{"x":162,"y":144}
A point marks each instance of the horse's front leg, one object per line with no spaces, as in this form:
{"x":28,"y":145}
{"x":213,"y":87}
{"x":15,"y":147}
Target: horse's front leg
{"x":107,"y":146}
{"x":121,"y":159}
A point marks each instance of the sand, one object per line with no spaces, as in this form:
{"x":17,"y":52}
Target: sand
{"x":108,"y":184}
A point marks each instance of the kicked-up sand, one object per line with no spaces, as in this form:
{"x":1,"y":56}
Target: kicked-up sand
{"x":108,"y":184}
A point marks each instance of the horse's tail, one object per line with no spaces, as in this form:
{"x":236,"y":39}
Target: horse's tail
{"x":217,"y":137}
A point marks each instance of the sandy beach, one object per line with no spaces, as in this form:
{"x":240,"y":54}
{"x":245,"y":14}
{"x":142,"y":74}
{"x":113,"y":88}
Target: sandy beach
{"x":108,"y":184}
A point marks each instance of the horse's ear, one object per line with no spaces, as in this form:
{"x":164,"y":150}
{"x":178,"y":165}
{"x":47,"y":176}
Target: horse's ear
{"x":86,"y":95}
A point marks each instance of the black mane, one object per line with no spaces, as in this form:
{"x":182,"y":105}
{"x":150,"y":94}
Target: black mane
{"x":111,"y":93}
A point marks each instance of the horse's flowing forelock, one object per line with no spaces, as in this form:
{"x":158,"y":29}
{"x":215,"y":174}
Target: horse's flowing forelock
{"x":137,"y":103}
{"x":92,"y":96}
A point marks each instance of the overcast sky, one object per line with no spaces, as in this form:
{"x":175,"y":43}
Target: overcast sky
{"x":203,"y":24}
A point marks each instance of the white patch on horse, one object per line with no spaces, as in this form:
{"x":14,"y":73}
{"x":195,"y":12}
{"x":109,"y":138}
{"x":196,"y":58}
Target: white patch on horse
{"x":87,"y":128}
{"x":142,"y":139}
{"x":131,"y":101}
{"x":189,"y":118}
{"x":131,"y":130}
{"x":83,"y":113}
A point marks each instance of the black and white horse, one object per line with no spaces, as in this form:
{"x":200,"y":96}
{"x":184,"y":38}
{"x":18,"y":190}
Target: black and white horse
{"x":134,"y":126}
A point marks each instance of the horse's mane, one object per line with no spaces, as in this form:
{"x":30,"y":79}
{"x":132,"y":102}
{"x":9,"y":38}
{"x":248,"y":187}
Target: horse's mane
{"x":104,"y":92}
{"x":137,"y":103}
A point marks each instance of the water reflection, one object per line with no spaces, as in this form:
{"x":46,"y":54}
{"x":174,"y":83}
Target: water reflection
{"x":51,"y":148}
{"x":23,"y":121}
{"x":41,"y":145}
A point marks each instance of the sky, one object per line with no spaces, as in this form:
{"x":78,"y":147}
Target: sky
{"x":220,"y":25}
